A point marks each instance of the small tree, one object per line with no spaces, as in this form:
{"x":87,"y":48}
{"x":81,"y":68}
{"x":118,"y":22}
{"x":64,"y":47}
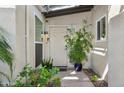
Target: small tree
{"x":79,"y":43}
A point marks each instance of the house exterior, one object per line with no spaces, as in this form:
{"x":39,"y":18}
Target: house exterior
{"x":23,"y":23}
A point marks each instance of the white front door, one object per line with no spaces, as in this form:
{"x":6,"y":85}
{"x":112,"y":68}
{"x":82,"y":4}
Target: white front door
{"x":57,"y":45}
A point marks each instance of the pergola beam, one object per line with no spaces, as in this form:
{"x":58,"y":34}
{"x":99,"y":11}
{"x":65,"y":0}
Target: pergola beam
{"x":72,"y":10}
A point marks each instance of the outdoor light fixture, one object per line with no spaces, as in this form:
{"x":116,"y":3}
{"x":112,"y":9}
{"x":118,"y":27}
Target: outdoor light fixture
{"x":46,"y":36}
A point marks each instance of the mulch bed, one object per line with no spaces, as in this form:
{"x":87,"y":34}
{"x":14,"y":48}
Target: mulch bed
{"x":90,"y":73}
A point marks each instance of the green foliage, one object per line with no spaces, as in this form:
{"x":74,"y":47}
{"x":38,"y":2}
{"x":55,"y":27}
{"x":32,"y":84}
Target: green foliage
{"x":26,"y":72}
{"x":94,"y":78}
{"x":56,"y":82}
{"x":19,"y":83}
{"x":27,"y":77}
{"x":47,"y":63}
{"x":54,"y":71}
{"x":46,"y":76}
{"x":6,"y":55}
{"x":79,"y":43}
{"x":38,"y":78}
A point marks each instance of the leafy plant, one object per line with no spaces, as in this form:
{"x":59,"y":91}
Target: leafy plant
{"x":47,"y":63}
{"x":94,"y":78}
{"x":38,"y":78}
{"x":79,"y":43}
{"x":47,"y":75}
{"x":56,"y":82}
{"x":24,"y":75}
{"x":6,"y":55}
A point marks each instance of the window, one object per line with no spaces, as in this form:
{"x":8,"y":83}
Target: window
{"x":38,"y":30}
{"x":38,"y":41}
{"x":101,"y":29}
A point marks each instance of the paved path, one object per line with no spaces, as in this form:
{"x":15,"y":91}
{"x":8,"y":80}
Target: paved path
{"x":74,"y":79}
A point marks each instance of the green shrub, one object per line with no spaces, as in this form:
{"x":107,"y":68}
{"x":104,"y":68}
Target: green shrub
{"x":94,"y":78}
{"x":24,"y":75}
{"x":56,"y":82}
{"x":47,"y":75}
{"x":41,"y":77}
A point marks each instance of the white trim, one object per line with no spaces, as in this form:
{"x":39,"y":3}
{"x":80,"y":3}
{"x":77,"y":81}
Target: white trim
{"x":37,"y":42}
{"x":7,"y":6}
{"x":97,"y":48}
{"x":35,"y":26}
{"x":104,"y":40}
{"x":74,"y":25}
{"x":99,"y":53}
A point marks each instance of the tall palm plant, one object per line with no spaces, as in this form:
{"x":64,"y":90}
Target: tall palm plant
{"x":6,"y":55}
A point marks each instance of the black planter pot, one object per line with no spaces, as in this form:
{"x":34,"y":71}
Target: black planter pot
{"x":78,"y":66}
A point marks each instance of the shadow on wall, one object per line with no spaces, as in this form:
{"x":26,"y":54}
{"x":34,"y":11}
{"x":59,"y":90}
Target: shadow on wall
{"x":100,"y":64}
{"x":3,"y":31}
{"x":122,"y":8}
{"x":7,"y":35}
{"x":105,"y":72}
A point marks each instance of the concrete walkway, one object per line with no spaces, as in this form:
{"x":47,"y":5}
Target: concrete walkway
{"x":74,"y":79}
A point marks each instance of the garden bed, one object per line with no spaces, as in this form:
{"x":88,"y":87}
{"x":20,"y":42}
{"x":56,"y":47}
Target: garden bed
{"x":100,"y":83}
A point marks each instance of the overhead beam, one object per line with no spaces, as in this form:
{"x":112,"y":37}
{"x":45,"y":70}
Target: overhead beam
{"x":78,"y":9}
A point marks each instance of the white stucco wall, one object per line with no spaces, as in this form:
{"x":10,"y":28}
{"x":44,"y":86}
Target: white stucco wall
{"x":116,"y":78}
{"x":7,"y":25}
{"x":18,"y":21}
{"x":99,"y":62}
{"x":115,"y":48}
{"x":32,"y":11}
{"x":25,"y":36}
{"x":20,"y":56}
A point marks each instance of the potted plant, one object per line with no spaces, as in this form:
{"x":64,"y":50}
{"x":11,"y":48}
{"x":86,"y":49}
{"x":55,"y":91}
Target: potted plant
{"x":79,"y":44}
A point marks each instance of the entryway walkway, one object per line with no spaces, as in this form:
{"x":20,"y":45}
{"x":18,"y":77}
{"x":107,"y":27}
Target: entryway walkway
{"x":71,"y":78}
